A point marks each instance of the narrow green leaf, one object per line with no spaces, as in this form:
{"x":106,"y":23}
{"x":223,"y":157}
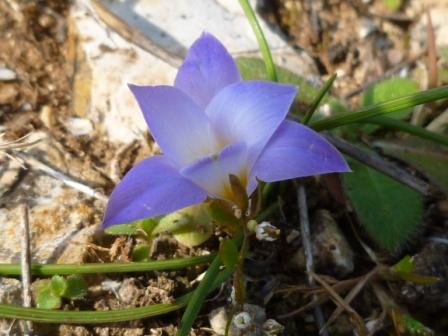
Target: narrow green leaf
{"x":391,"y":106}
{"x":321,"y":94}
{"x":98,"y":317}
{"x":408,"y":128}
{"x":390,"y":211}
{"x":262,"y":43}
{"x":76,"y":287}
{"x":158,"y":265}
{"x":197,"y":298}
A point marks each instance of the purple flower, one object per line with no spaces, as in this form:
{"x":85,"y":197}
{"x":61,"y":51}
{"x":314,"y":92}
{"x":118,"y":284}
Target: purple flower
{"x":209,"y":125}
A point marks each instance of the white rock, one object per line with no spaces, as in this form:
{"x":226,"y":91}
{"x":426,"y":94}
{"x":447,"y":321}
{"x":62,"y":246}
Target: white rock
{"x":173,"y":25}
{"x":7,"y":74}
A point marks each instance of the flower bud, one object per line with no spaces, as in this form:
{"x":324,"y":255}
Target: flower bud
{"x":252,"y":225}
{"x":266,"y":231}
{"x":242,"y":320}
{"x":272,"y":328}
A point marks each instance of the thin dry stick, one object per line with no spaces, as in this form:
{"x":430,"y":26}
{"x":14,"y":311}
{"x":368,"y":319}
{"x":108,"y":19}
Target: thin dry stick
{"x":133,"y":35}
{"x":339,"y":301}
{"x":378,"y":163}
{"x":352,"y":294}
{"x":71,"y":182}
{"x":25,"y":266}
{"x":306,"y":240}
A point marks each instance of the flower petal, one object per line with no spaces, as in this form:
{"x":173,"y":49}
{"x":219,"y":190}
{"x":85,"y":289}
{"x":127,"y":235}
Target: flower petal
{"x":179,"y":126}
{"x":250,"y":111}
{"x":295,"y":151}
{"x":207,"y":69}
{"x":151,"y":188}
{"x":212,"y":173}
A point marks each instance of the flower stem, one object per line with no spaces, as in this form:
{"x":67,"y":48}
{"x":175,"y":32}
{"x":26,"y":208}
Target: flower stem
{"x":262,"y":43}
{"x":238,"y":277}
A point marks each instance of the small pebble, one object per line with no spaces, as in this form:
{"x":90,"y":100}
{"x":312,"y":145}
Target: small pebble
{"x":7,"y":74}
{"x":79,"y":126}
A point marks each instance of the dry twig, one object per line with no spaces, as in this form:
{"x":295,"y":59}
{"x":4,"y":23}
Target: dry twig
{"x":133,"y":35}
{"x":26,"y":266}
{"x":306,"y":240}
{"x":380,"y":164}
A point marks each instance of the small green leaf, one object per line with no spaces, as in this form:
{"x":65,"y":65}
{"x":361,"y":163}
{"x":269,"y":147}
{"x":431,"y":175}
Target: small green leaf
{"x":228,"y":252}
{"x":133,"y":228}
{"x":387,"y":90}
{"x":45,"y":298}
{"x":140,"y":252}
{"x":405,"y":265}
{"x":148,"y":224}
{"x":129,"y":229}
{"x":411,"y":326}
{"x":76,"y":287}
{"x":58,"y":285}
{"x":191,"y":226}
{"x":390,"y":211}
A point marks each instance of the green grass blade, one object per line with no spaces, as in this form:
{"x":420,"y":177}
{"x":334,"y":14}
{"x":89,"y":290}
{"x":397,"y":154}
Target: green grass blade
{"x":262,"y":43}
{"x":198,"y":297}
{"x":54,"y":269}
{"x":408,"y":128}
{"x":380,"y":109}
{"x":89,"y":317}
{"x":98,"y":317}
{"x":321,"y":94}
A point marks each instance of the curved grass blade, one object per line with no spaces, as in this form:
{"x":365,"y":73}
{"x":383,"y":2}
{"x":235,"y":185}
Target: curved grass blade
{"x":262,"y":43}
{"x":98,"y":317}
{"x":204,"y":287}
{"x":321,"y":94}
{"x":380,"y":109}
{"x":408,"y":128}
{"x":55,"y":269}
{"x":89,"y":317}
{"x":198,"y":297}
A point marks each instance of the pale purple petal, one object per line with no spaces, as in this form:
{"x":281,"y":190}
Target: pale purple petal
{"x":178,"y":125}
{"x":151,"y":188}
{"x":207,"y":69}
{"x":250,"y":111}
{"x":296,"y":151}
{"x":212,"y":173}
